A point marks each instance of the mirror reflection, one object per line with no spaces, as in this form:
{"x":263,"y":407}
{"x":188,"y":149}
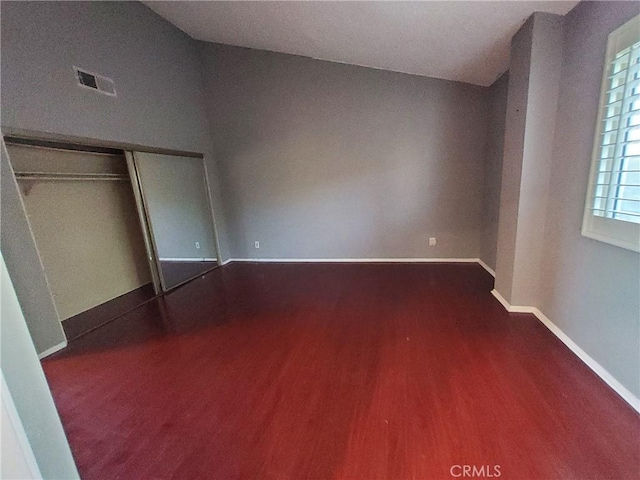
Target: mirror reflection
{"x":175,"y":197}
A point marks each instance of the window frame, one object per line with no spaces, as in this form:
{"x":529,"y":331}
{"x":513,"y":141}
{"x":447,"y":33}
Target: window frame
{"x":618,"y":232}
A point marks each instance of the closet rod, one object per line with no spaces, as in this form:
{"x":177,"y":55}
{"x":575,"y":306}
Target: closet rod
{"x":43,"y":176}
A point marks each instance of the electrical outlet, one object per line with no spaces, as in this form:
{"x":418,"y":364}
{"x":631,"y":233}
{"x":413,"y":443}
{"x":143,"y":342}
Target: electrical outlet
{"x":198,"y":245}
{"x":432,"y":241}
{"x":257,"y":244}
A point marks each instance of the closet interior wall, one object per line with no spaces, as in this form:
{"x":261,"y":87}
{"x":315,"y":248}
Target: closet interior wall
{"x":82,"y":214}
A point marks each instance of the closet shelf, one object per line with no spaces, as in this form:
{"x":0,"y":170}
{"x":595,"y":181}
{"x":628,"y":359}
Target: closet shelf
{"x":50,"y":176}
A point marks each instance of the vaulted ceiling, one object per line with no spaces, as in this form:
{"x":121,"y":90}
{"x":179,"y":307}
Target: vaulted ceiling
{"x":456,"y":40}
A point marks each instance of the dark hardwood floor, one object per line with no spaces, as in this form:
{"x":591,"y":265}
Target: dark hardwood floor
{"x":175,"y":273}
{"x":336,"y":371}
{"x":97,"y":316}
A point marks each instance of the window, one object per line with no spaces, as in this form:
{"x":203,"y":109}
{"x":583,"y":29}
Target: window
{"x":612,"y":212}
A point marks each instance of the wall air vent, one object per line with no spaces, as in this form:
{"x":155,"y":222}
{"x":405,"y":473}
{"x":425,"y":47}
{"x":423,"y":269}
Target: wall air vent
{"x":95,"y":82}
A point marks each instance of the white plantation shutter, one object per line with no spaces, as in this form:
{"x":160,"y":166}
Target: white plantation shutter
{"x":612,"y":212}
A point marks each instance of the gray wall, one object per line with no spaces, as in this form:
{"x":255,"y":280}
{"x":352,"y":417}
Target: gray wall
{"x":542,"y":103}
{"x":534,"y":82}
{"x":159,"y":104}
{"x":176,"y":200}
{"x":154,"y":65}
{"x":24,"y":264}
{"x":325,"y":160}
{"x":29,"y":390}
{"x":512,"y":156}
{"x":590,"y":289}
{"x":493,"y":169}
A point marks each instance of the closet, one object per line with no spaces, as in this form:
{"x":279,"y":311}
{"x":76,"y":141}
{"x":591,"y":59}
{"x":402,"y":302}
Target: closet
{"x":112,"y":228}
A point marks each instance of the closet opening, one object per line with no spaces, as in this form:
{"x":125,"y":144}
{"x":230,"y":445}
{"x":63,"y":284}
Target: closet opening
{"x":113,"y":228}
{"x":82,"y":213}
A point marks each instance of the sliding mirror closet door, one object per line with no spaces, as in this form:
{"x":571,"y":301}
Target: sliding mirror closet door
{"x":175,"y":199}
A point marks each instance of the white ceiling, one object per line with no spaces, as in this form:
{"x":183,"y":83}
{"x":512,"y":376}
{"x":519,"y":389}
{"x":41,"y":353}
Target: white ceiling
{"x":456,"y":40}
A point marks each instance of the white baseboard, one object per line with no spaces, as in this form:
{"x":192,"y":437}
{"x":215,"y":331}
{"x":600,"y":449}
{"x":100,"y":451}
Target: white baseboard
{"x":501,"y":299}
{"x":357,"y":260}
{"x":486,"y":267}
{"x":52,"y":350}
{"x":364,"y":260}
{"x":598,"y":369}
{"x":512,"y":308}
{"x":183,"y":259}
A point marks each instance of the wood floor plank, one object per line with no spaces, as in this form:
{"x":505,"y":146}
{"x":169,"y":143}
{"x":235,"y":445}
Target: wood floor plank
{"x":326,"y":371}
{"x":99,"y":315}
